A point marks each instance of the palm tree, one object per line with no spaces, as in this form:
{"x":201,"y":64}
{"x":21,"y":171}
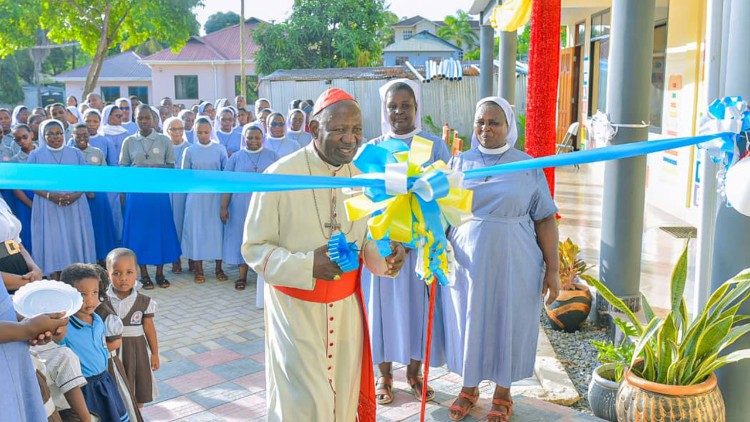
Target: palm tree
{"x":457,"y":30}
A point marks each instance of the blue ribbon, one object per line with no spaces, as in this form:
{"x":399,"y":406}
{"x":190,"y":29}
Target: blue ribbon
{"x":70,"y":178}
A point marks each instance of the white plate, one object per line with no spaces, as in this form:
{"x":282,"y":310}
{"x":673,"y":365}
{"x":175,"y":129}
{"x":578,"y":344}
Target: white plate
{"x":47,"y":296}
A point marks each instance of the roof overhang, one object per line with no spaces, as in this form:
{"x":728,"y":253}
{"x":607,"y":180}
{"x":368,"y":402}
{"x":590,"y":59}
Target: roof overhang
{"x":105,"y":79}
{"x":189,"y":62}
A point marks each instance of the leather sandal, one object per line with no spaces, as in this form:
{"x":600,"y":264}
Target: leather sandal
{"x":384,"y":390}
{"x":146,"y":282}
{"x":463,"y":411}
{"x":240,"y":284}
{"x":162,"y":281}
{"x":417,"y":391}
{"x":177,"y":267}
{"x":199,"y":277}
{"x":500,"y":416}
{"x":221,"y":275}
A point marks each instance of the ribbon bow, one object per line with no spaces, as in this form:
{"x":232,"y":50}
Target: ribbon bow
{"x":413,"y":202}
{"x":728,"y":114}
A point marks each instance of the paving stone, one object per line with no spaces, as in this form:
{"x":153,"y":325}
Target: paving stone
{"x":194,"y":381}
{"x":214,"y":357}
{"x":170,"y":410}
{"x":219,"y":394}
{"x":237,"y":368}
{"x":175,"y":368}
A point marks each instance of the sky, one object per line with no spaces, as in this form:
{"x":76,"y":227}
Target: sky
{"x":278,"y":10}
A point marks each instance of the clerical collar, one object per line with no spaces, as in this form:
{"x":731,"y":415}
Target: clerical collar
{"x":55,"y":149}
{"x":208,"y":145}
{"x":409,"y":135}
{"x":494,"y":151}
{"x":273,"y":138}
{"x":249,"y":151}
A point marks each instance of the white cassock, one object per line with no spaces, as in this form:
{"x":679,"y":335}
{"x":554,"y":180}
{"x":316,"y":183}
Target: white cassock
{"x":314,"y":351}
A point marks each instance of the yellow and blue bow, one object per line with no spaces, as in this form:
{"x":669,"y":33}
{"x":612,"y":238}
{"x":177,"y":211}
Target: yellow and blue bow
{"x":414,"y":203}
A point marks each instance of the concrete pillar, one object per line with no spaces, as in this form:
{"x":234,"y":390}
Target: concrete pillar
{"x":731,"y":240}
{"x":486,"y":57}
{"x":628,"y":89}
{"x":506,"y":86}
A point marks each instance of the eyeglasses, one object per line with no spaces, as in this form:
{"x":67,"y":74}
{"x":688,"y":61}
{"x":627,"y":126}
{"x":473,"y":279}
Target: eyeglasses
{"x":278,"y":124}
{"x":124,"y":108}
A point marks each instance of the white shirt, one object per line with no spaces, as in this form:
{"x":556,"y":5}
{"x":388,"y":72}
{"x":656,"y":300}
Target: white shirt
{"x":10,"y":226}
{"x":123,"y":306}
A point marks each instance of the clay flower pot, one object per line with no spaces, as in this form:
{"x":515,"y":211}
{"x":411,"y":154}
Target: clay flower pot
{"x":641,"y":400}
{"x":570,"y":310}
{"x":603,"y":392}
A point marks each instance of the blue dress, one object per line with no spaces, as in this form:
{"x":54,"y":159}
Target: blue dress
{"x":245,"y":161}
{"x":492,"y":310}
{"x":178,"y":199}
{"x":281,"y":147}
{"x":21,"y":210}
{"x":20,"y":399}
{"x":131,"y":127}
{"x":232,"y":140}
{"x":397,"y":307}
{"x":190,"y":136}
{"x":61,"y":236}
{"x":302,"y":138}
{"x":203,"y":231}
{"x":105,"y":233}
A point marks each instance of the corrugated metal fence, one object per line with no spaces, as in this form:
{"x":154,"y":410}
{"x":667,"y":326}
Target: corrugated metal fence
{"x":444,"y":101}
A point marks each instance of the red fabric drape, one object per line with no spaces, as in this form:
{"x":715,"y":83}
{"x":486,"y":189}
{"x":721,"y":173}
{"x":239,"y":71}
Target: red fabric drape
{"x":544,"y":69}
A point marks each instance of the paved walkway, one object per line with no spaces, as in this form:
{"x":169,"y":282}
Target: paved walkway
{"x":211,"y":337}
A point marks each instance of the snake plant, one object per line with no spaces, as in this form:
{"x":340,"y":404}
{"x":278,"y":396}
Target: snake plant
{"x":676,"y":351}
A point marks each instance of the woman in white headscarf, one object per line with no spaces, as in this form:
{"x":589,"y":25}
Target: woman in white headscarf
{"x":74,"y":116}
{"x":175,"y":130}
{"x":295,"y":127}
{"x":61,"y":228}
{"x":113,"y":129}
{"x":188,"y":119}
{"x":93,"y":119}
{"x":397,"y":307}
{"x":226,"y":121}
{"x":506,"y":260}
{"x":276,"y":139}
{"x":126,"y":107}
{"x":20,"y":115}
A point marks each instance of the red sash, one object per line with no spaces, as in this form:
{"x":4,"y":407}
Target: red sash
{"x":327,"y":291}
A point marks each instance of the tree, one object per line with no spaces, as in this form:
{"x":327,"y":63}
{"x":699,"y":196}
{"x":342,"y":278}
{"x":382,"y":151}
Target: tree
{"x":322,"y":34}
{"x":457,"y":30}
{"x":10,"y":87}
{"x":97,"y":25}
{"x":386,"y":34}
{"x":221,"y":20}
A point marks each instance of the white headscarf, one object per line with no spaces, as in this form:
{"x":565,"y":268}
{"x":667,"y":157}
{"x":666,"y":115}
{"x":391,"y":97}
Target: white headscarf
{"x":510,"y":117}
{"x":171,"y":120}
{"x":204,"y":120}
{"x":94,"y":111}
{"x":16,"y":111}
{"x":130,"y":107}
{"x":289,"y":121}
{"x":74,"y":111}
{"x":107,"y":129}
{"x":243,"y":144}
{"x":269,"y":119}
{"x":43,"y":128}
{"x":217,"y":119}
{"x":257,"y":102}
{"x":385,"y":125}
{"x":158,"y":117}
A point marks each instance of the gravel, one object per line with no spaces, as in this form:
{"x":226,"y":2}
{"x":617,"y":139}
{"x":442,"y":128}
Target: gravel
{"x":577,"y":355}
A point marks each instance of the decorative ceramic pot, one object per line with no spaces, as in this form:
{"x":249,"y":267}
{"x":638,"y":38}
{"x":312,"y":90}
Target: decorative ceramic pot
{"x":641,"y":400}
{"x":603,"y":392}
{"x":571,"y":308}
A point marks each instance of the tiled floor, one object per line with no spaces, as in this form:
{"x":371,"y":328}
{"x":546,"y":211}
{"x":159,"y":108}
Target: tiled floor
{"x":211,"y":337}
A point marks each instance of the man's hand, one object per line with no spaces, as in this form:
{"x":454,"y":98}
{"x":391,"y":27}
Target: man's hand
{"x":396,"y":259}
{"x":323,"y":267}
{"x":551,"y":286}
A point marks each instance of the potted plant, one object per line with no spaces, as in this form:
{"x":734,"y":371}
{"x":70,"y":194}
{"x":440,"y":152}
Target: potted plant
{"x":671,"y":374}
{"x":606,"y":378}
{"x":573,"y":304}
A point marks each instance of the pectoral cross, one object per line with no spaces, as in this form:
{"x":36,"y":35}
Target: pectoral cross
{"x":333,"y":226}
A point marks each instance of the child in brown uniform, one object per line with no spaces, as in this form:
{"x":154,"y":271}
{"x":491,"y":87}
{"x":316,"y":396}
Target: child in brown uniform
{"x":137,"y":314}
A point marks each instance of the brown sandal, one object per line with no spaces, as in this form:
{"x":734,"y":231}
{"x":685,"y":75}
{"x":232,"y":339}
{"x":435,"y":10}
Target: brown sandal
{"x":240,"y":284}
{"x":146,"y":282}
{"x":177,"y":267}
{"x":498,"y":416}
{"x":199,"y":277}
{"x":384,"y":390}
{"x":419,"y":380}
{"x":465,"y":409}
{"x":221,"y":275}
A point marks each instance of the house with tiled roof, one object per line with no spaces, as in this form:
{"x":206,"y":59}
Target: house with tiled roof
{"x":122,"y":75}
{"x":207,"y":67}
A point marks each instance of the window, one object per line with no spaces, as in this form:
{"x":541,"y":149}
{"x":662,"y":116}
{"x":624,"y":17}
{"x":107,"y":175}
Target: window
{"x":408,"y":33}
{"x":139,"y":91}
{"x":580,"y":33}
{"x":401,"y":60}
{"x":252,"y":87}
{"x":600,"y":24}
{"x":186,"y":87}
{"x":657,"y":77}
{"x":110,"y":93}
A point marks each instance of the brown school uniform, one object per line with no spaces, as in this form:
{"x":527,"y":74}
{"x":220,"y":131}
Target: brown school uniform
{"x":134,"y":351}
